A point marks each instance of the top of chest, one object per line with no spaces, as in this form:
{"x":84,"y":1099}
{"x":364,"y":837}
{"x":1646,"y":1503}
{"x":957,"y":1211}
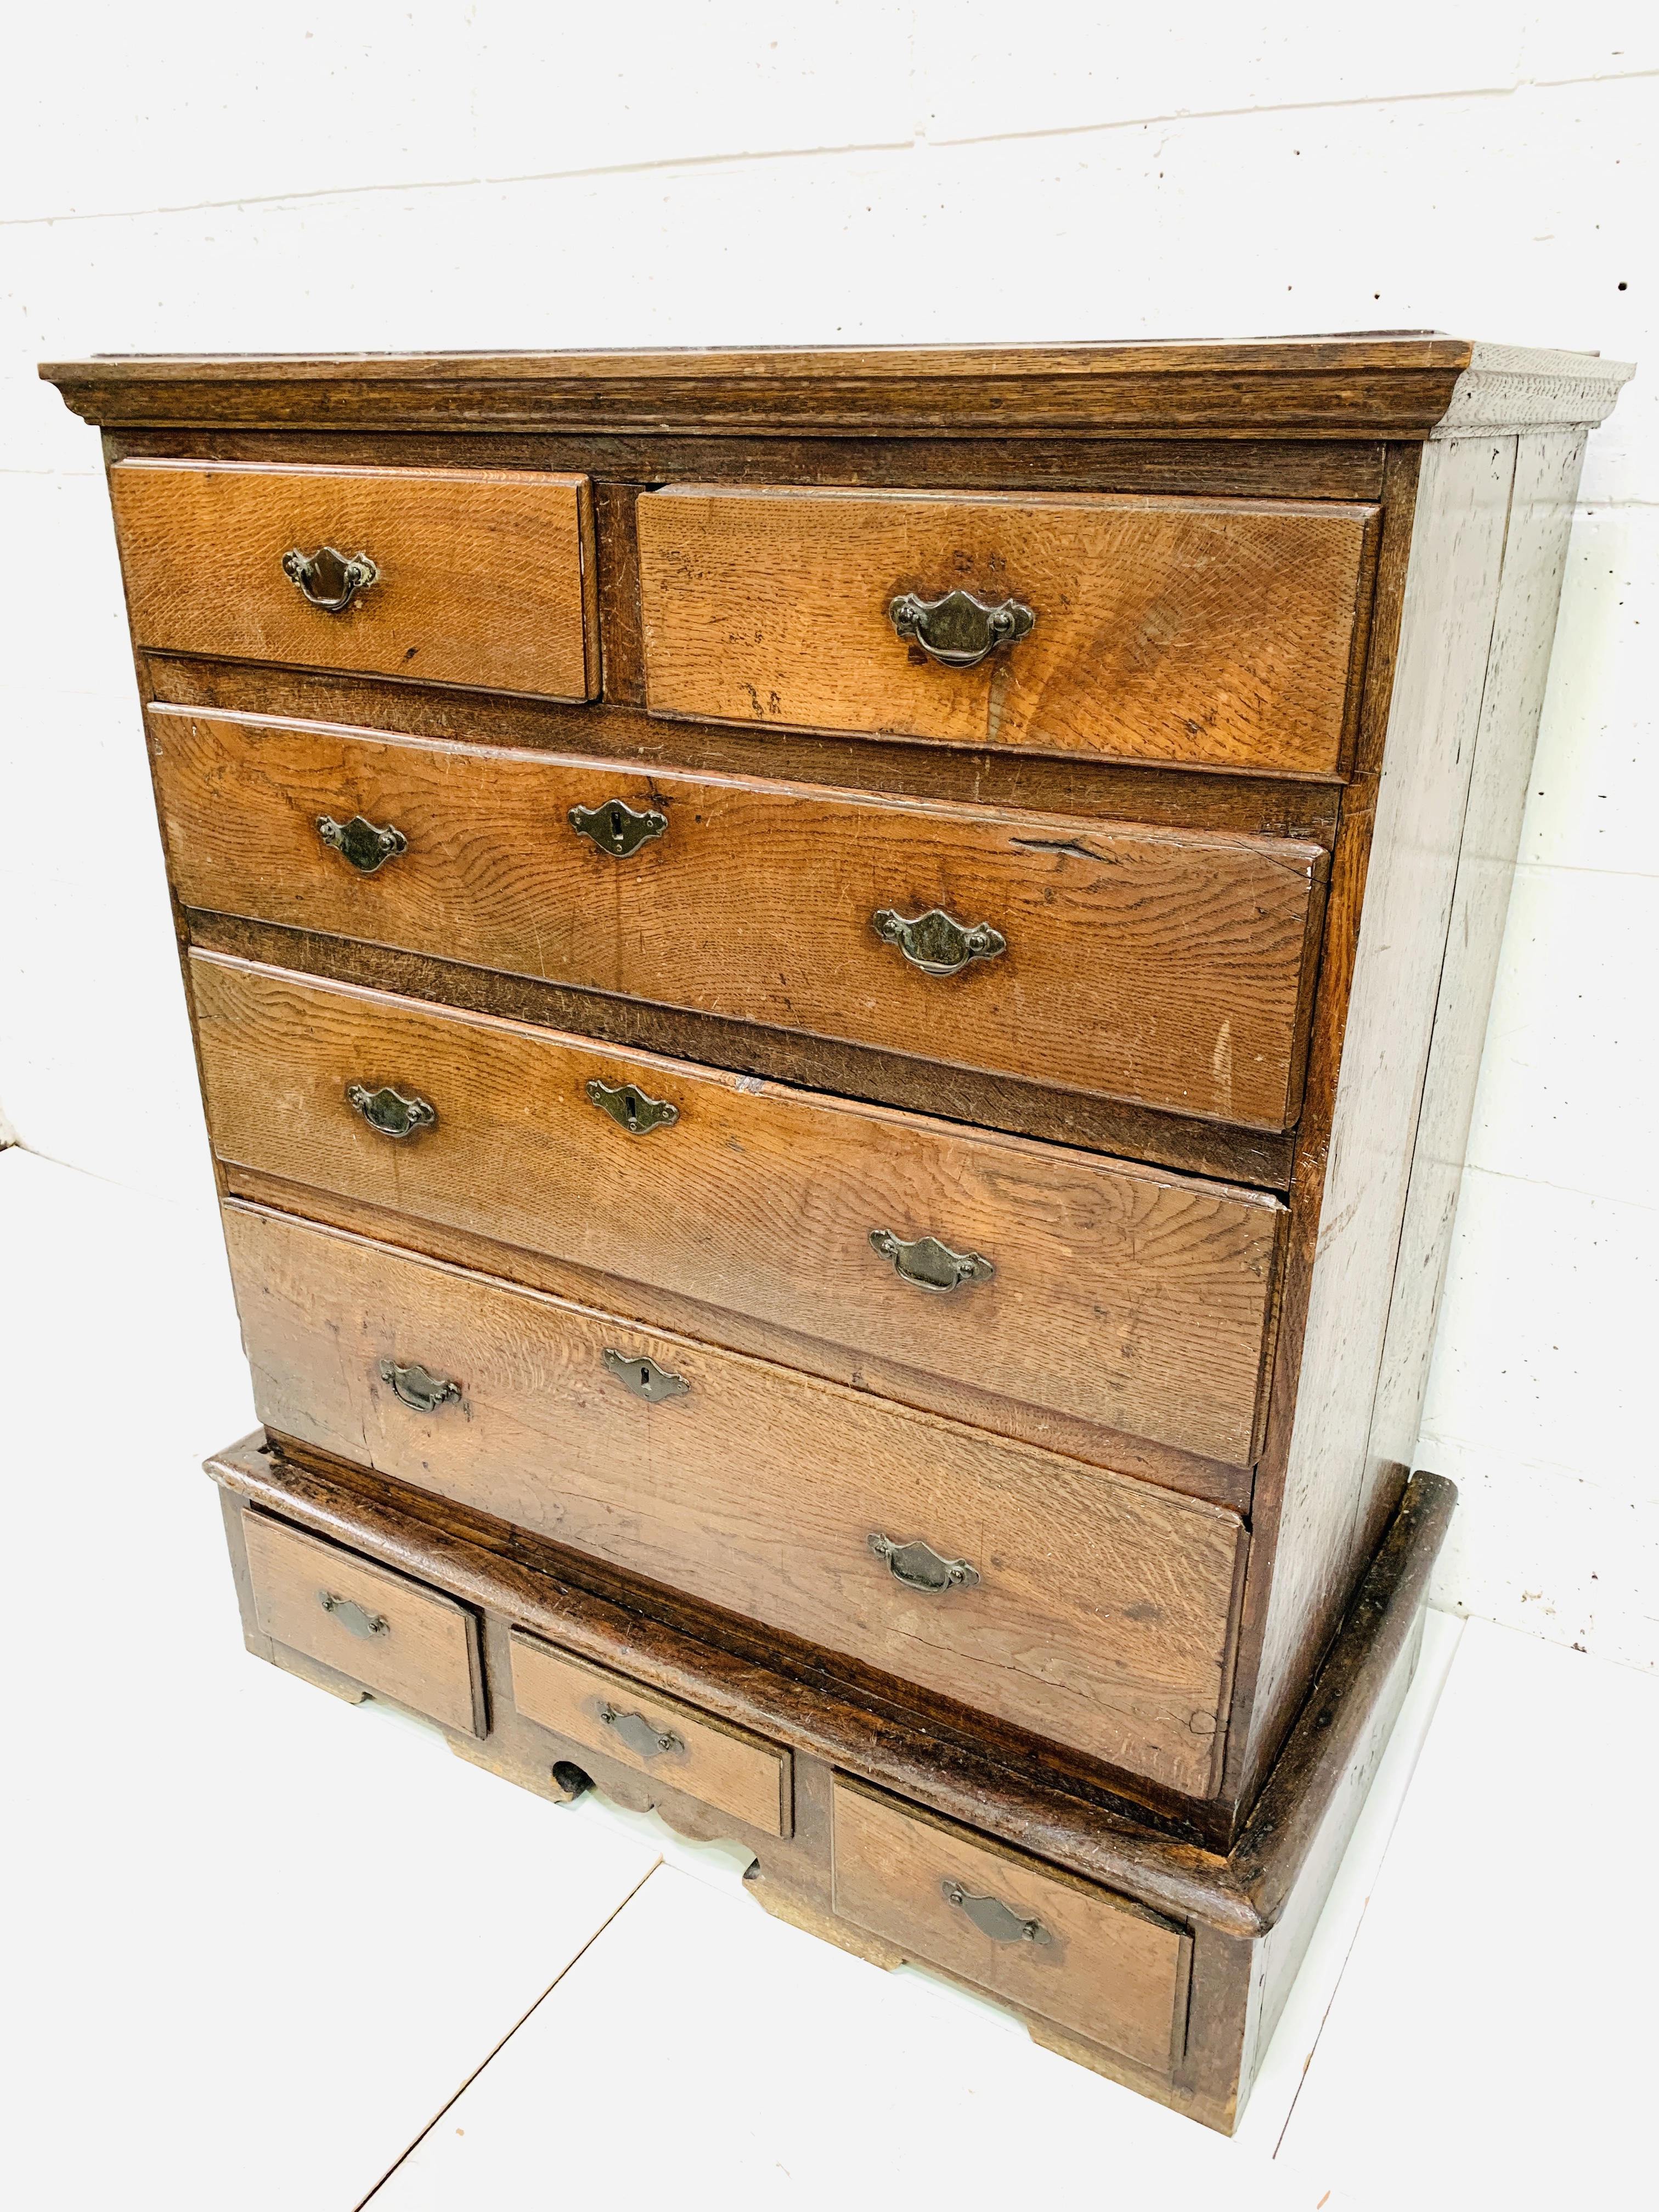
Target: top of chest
{"x":1390,"y":385}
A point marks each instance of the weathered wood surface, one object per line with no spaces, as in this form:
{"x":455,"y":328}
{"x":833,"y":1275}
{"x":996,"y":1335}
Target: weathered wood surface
{"x":1224,"y":1151}
{"x":1547,"y":466}
{"x":1300,"y":808}
{"x":1321,"y":386}
{"x":486,"y":577}
{"x":726,"y":1767}
{"x":762,"y":1337}
{"x":1316,"y":1467}
{"x":1236,"y":466}
{"x":1100,"y":1964}
{"x":1220,"y":634}
{"x":1169,"y":968}
{"x":1101,"y":1615}
{"x":1120,"y":1295}
{"x":983,"y":1784}
{"x":423,"y":1652}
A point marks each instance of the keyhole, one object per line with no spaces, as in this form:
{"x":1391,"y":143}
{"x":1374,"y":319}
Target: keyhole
{"x":616,"y":825}
{"x":645,"y":1378}
{"x":632,"y":1107}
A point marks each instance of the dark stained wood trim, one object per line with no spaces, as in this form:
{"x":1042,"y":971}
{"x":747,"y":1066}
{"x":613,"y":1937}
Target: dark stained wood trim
{"x":1083,"y":1831}
{"x":1344,"y":900}
{"x":1287,"y":468}
{"x":1377,"y":387}
{"x":621,"y":626}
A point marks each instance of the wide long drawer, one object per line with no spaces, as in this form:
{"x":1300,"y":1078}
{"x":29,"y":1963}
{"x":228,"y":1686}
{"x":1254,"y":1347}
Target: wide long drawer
{"x":1080,"y":1604}
{"x":1225,"y":633}
{"x":1170,"y":966}
{"x":474,"y":576}
{"x":1120,"y":1295}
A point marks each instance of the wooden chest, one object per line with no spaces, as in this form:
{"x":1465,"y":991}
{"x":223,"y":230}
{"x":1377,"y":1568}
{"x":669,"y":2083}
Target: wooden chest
{"x":838,"y":997}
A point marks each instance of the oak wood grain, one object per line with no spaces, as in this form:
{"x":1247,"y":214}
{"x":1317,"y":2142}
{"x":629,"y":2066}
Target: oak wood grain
{"x":202,"y":546}
{"x":1122,"y":1295}
{"x":1169,"y":968}
{"x":1300,"y":808}
{"x":1104,"y":1965}
{"x":424,"y":1654}
{"x":1103,"y":1610}
{"x":1222,"y":1150}
{"x":726,"y":1767}
{"x":1392,"y":880}
{"x":1216,"y":633}
{"x":986,"y":1780}
{"x":1325,"y":387}
{"x":1236,"y":465}
{"x":762,"y":1337}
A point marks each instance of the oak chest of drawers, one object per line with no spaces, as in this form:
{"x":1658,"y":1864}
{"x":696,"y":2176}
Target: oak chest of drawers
{"x":838,"y":996}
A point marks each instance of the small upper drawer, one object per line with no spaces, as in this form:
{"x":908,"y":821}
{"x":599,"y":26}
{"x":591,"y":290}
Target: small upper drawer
{"x":1170,"y":966}
{"x":1222,"y":632}
{"x":481,"y":577}
{"x":657,"y":1736}
{"x":1075,"y":1954}
{"x":410,"y":1643}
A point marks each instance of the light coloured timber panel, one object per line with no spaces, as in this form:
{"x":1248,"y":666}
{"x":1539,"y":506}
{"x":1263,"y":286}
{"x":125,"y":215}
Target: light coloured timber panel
{"x":397,"y":1637}
{"x":486,"y":577}
{"x":1124,"y":1296}
{"x":1095,"y":1962}
{"x":1170,"y":967}
{"x":656,"y":1736}
{"x":1219,"y":633}
{"x":1102,"y":1614}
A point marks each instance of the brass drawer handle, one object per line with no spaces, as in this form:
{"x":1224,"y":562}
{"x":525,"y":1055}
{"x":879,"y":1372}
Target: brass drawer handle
{"x":644,"y":1378}
{"x":992,"y":1917}
{"x":389,"y":1111}
{"x":364,"y":843}
{"x":935,"y":943}
{"x":959,"y":631}
{"x":353,"y":1617}
{"x":643,"y":1737}
{"x":632,"y":1109}
{"x":920,"y":1567}
{"x":615,"y":826}
{"x":328,"y":578}
{"x":930,"y":1265}
{"x":418,"y":1388}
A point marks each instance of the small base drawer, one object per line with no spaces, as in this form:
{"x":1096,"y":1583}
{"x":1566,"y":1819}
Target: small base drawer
{"x":656,"y":1736}
{"x":1081,"y":1957}
{"x":396,"y":1637}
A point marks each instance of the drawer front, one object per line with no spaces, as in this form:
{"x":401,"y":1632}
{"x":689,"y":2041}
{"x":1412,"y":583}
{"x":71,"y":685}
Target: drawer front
{"x":657,"y":1736}
{"x":394,"y":1636}
{"x":483,"y":577}
{"x":1075,"y":1954}
{"x":1122,"y":1295}
{"x":1221,"y":633}
{"x":1089,"y":1608}
{"x":1166,"y":967}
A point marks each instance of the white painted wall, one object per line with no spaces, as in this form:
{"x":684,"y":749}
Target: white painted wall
{"x":690,"y":172}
